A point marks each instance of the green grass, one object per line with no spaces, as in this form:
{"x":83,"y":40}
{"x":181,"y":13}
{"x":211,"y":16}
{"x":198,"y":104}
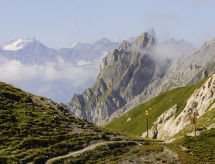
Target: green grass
{"x":184,"y":157}
{"x":157,"y":106}
{"x":147,"y":149}
{"x":200,"y":147}
{"x":34,"y":129}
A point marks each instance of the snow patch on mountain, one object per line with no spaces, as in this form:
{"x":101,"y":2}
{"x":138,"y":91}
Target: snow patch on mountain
{"x":17,"y":44}
{"x":73,"y":45}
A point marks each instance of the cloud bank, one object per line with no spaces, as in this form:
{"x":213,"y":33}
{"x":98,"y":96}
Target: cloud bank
{"x":49,"y":79}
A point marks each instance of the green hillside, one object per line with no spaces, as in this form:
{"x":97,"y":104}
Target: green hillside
{"x":33,"y":128}
{"x":137,"y":125}
{"x":201,"y":147}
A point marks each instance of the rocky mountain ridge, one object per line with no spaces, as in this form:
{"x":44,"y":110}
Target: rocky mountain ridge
{"x":116,"y":74}
{"x":131,"y":74}
{"x":183,"y":70}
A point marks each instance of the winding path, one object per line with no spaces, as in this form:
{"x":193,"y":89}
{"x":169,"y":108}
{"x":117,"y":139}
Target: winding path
{"x":75,"y":153}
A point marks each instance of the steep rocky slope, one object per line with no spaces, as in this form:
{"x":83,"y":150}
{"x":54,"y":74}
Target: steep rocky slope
{"x":33,"y":128}
{"x":200,"y":102}
{"x":191,"y":68}
{"x":124,"y":74}
{"x":183,"y":70}
{"x":132,"y":73}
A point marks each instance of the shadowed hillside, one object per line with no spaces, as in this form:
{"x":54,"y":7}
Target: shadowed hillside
{"x":33,"y":128}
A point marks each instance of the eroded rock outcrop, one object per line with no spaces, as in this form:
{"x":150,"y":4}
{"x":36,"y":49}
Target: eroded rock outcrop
{"x":168,"y":124}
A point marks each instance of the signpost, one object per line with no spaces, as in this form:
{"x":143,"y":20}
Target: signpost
{"x":147,"y":117}
{"x":194,"y":121}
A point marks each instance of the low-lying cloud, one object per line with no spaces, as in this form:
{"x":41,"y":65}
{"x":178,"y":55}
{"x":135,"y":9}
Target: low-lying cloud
{"x":14,"y":70}
{"x":51,"y":77}
{"x":171,"y":49}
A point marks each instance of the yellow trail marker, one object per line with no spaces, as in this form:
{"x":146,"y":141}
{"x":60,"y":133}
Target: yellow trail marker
{"x":147,"y":117}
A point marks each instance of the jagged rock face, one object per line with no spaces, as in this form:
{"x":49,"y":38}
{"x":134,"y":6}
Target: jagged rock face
{"x":181,"y":71}
{"x":124,"y":74}
{"x":168,"y":124}
{"x":134,"y":73}
{"x":191,"y":68}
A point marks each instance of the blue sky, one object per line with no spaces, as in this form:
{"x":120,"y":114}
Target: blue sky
{"x":58,"y":23}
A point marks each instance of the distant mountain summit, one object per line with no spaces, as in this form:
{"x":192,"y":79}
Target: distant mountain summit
{"x":78,"y":57}
{"x":103,"y":41}
{"x":73,"y":45}
{"x":17,"y":44}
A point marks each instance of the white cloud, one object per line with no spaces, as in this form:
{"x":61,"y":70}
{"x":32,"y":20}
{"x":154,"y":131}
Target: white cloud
{"x":53,"y":77}
{"x":82,"y":63}
{"x":14,"y":70}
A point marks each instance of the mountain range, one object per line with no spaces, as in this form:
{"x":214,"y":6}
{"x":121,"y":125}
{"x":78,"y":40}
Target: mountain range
{"x":55,"y":73}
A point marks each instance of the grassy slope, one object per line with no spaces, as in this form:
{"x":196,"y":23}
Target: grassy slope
{"x":202,"y":147}
{"x":158,"y":105}
{"x":33,"y":128}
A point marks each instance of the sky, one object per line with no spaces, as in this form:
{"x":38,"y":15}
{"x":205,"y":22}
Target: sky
{"x":58,"y":23}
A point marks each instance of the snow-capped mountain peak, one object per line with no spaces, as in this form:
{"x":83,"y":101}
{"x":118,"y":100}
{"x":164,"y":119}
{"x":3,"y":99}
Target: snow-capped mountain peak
{"x":16,"y":44}
{"x":73,"y":45}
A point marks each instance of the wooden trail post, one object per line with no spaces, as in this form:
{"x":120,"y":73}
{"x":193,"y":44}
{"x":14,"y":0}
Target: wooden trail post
{"x":147,"y":118}
{"x":194,"y":121}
